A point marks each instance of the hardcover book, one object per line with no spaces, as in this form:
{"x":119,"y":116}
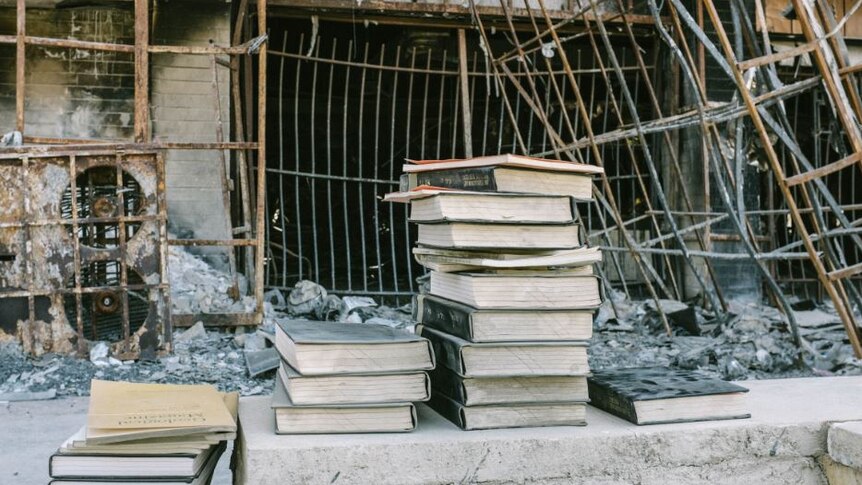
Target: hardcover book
{"x":127,"y":466}
{"x":291,"y":418}
{"x":475,"y":391}
{"x":654,"y":395}
{"x":320,"y":348}
{"x":354,"y":388}
{"x":509,"y":415}
{"x":125,"y":411}
{"x":203,"y":476}
{"x":492,"y":208}
{"x":539,"y":291}
{"x":505,"y":160}
{"x":466,"y":235}
{"x":501,"y":325}
{"x":502,"y":179}
{"x":451,"y":260}
{"x":508,"y":359}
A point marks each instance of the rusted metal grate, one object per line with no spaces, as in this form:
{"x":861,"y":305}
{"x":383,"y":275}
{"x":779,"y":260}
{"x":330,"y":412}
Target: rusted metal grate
{"x":351,"y":102}
{"x":83,"y":239}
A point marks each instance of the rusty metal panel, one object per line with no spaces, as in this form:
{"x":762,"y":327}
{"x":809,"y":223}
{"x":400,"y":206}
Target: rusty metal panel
{"x":83,"y":251}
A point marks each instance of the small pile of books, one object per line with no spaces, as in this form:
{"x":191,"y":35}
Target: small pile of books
{"x":147,"y":433}
{"x":348,"y":378}
{"x":512,"y":292}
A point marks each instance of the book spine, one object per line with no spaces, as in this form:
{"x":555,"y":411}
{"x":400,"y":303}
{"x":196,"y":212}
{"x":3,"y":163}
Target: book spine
{"x":447,"y":408}
{"x":448,"y":383}
{"x":449,"y":319}
{"x":447,"y":353}
{"x":615,"y":403}
{"x":480,"y":179}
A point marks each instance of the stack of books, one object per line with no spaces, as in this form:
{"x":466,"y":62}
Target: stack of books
{"x":348,"y":378}
{"x":147,"y":433}
{"x":512,"y":291}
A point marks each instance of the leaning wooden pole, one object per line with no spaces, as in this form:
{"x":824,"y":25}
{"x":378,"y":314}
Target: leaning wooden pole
{"x":20,"y":56}
{"x":261,"y":161}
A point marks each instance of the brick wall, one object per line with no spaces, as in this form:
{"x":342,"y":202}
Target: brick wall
{"x":76,"y":93}
{"x":183,"y":108}
{"x":70,"y":92}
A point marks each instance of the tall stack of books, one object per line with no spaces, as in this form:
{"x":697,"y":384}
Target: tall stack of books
{"x":147,"y":433}
{"x":512,"y":292}
{"x":348,"y":378}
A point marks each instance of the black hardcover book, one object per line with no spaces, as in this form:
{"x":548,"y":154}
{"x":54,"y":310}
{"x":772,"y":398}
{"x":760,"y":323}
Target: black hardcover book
{"x":501,"y":325}
{"x":506,"y":359}
{"x":477,"y":391}
{"x":503,"y":178}
{"x":445,"y":315}
{"x":653,"y":395}
{"x":526,"y":415}
{"x":479,"y":179}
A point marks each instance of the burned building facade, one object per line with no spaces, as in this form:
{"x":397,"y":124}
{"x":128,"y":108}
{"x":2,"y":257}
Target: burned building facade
{"x":728,"y":131}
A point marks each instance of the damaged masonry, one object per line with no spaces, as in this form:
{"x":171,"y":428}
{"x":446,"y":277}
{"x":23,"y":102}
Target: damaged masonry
{"x":180,"y":181}
{"x":168,"y":165}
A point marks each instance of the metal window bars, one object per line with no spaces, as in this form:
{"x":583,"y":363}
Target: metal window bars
{"x":250,"y":124}
{"x":597,"y":86}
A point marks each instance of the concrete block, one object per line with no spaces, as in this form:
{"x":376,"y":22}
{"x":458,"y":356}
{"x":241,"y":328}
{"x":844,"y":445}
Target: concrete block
{"x":838,"y":474}
{"x":845,"y":444}
{"x":780,"y":444}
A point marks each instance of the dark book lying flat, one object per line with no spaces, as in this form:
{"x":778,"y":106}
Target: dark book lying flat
{"x":86,"y":469}
{"x":654,"y":395}
{"x":323,"y":348}
{"x":529,"y":415}
{"x":507,"y":359}
{"x":475,"y":391}
{"x":291,"y":418}
{"x":493,"y":325}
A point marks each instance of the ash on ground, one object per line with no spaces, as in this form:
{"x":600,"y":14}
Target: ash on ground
{"x":218,"y":357}
{"x":756,"y":343}
{"x":197,"y":287}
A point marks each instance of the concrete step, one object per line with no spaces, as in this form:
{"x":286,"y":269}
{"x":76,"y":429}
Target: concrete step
{"x":780,"y":444}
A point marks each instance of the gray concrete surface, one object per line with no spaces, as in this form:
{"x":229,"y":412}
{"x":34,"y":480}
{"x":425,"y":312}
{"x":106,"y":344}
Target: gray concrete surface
{"x":31,"y":431}
{"x":845,"y":443}
{"x":780,"y":444}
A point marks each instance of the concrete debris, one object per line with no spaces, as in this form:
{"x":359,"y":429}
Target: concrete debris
{"x":251,"y":342}
{"x":349,"y":303}
{"x":275,"y":298}
{"x":306,"y":298}
{"x":12,"y":139}
{"x":754,"y":344}
{"x":261,"y":361}
{"x":196,"y":331}
{"x":197,"y":287}
{"x":28,"y":396}
{"x":329,"y":309}
{"x":99,"y":354}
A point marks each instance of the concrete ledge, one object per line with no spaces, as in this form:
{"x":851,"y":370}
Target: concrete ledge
{"x":780,"y":444}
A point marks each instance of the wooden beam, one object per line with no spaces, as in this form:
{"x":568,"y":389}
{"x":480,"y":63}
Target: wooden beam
{"x":142,"y":71}
{"x":260,"y":233}
{"x":466,"y":115}
{"x":20,"y":62}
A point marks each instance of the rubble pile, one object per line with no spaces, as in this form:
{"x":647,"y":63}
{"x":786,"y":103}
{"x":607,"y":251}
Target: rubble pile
{"x":197,"y":287}
{"x":312,"y":301}
{"x":755,"y":343}
{"x":224,"y":358}
{"x":199,"y":356}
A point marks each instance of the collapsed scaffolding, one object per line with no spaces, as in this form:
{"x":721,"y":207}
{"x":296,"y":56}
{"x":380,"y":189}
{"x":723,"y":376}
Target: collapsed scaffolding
{"x":829,"y":237}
